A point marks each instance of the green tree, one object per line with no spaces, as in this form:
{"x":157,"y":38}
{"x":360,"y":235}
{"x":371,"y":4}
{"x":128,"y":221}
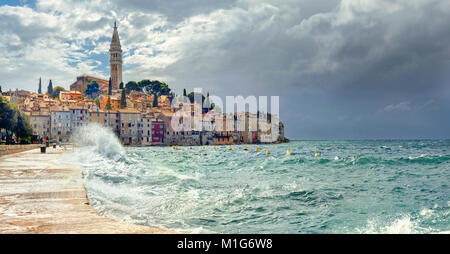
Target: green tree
{"x":92,"y":90}
{"x":157,"y":88}
{"x":160,"y":88}
{"x":108,"y":104}
{"x":6,"y":114}
{"x":123,"y":100}
{"x":132,"y":86}
{"x":56,"y":91}
{"x":144,"y":84}
{"x":148,"y":86}
{"x":121,"y":85}
{"x":207,"y":104}
{"x":155,"y":101}
{"x":97,"y":101}
{"x":50,"y":88}
{"x":109,"y":87}
{"x":23,"y":127}
{"x":14,"y":121}
{"x":184,"y":92}
{"x":40,"y":86}
{"x":191,"y":97}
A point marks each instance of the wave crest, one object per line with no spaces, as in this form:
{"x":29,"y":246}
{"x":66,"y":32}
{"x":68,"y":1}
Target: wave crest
{"x":101,"y":139}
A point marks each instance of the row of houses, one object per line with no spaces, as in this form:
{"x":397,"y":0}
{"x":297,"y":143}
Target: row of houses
{"x":133,"y":127}
{"x":140,"y":124}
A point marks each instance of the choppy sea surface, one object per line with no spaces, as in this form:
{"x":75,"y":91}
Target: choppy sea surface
{"x":382,"y":186}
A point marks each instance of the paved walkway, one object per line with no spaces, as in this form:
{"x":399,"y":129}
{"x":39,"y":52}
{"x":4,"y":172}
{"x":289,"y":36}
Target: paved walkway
{"x":38,"y":194}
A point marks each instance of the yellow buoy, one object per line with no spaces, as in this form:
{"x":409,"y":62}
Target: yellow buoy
{"x":245,"y":148}
{"x":288,"y":152}
{"x":257,"y":150}
{"x":267,"y":152}
{"x":214,"y":147}
{"x":203,"y":148}
{"x":229,"y":148}
{"x":317,"y":155}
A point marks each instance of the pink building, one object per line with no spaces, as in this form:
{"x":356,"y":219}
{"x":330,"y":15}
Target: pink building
{"x":157,"y":132}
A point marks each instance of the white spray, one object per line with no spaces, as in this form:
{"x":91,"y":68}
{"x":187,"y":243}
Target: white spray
{"x":101,"y":139}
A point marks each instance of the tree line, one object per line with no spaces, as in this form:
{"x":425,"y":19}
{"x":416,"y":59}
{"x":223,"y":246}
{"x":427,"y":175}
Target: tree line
{"x":14,"y":122}
{"x":52,"y":92}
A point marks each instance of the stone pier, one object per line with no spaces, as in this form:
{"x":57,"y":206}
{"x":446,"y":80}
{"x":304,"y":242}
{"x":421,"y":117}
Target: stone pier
{"x":41,"y":194}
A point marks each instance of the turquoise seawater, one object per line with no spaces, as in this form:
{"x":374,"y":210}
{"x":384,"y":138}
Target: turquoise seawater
{"x":352,"y":187}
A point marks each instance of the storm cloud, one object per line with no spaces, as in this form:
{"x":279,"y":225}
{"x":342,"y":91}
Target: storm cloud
{"x":343,"y":69}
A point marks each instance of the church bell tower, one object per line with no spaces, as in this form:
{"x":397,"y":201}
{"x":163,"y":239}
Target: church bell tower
{"x":115,"y":59}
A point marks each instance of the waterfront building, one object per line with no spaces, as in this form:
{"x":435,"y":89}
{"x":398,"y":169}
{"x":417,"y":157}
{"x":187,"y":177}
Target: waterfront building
{"x":40,"y":121}
{"x":281,"y":138}
{"x":157,"y":132}
{"x":130,"y":120}
{"x":206,"y":138}
{"x":61,"y":125}
{"x":97,"y":117}
{"x":112,"y":120}
{"x":79,"y":116}
{"x":146,"y":129}
{"x":223,"y":137}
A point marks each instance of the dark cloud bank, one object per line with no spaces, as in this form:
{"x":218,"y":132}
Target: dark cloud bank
{"x":343,"y":69}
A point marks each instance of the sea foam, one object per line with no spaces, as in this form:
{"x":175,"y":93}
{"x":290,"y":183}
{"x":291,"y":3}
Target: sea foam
{"x":100,"y":139}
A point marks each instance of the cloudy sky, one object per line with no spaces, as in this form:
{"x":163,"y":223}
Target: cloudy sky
{"x":349,"y":69}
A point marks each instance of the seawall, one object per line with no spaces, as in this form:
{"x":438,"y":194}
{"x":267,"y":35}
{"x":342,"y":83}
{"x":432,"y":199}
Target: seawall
{"x":9,"y":149}
{"x":42,"y":194}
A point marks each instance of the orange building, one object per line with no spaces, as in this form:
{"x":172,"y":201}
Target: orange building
{"x":223,"y":137}
{"x":115,"y":102}
{"x":70,"y":95}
